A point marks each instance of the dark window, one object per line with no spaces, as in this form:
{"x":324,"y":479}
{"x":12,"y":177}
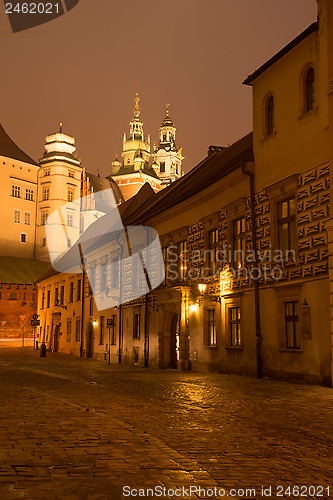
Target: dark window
{"x":292,"y":325}
{"x":71,"y":292}
{"x":309,"y":90}
{"x":162,"y":166}
{"x":91,"y":306}
{"x":136,"y":326}
{"x":43,"y":300}
{"x":62,"y":294}
{"x":101,"y":331}
{"x":287,"y":225}
{"x":115,"y":272}
{"x":102,"y":277}
{"x":69,"y":330}
{"x":12,"y":296}
{"x":92,"y":276}
{"x":270,"y":115}
{"x":16,"y":191}
{"x":78,"y":294}
{"x":78,"y":330}
{"x":48,"y":298}
{"x":23,"y":238}
{"x":56,"y":296}
{"x":239,"y":242}
{"x":234,"y":326}
{"x":213,"y":245}
{"x":29,"y":194}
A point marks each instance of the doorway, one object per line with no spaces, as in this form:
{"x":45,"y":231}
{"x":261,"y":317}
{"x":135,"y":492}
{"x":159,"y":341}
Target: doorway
{"x":90,"y":340}
{"x":56,"y":338}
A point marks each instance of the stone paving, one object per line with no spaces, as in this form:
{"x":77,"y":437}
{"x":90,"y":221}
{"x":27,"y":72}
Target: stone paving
{"x":74,"y":428}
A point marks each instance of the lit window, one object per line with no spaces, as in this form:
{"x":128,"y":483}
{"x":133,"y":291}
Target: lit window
{"x":17,"y":216}
{"x":293,"y":340}
{"x":16,"y":191}
{"x":239,"y":242}
{"x":287,"y":225}
{"x":162,"y":167}
{"x":309,"y":90}
{"x":182,"y":260}
{"x":210,"y":328}
{"x":270,"y":115}
{"x":113,"y":333}
{"x":213,"y":244}
{"x":234,"y":326}
{"x":29,"y":194}
{"x":71,"y":173}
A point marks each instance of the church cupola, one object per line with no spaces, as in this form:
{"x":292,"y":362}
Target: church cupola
{"x":136,"y":140}
{"x":168,"y":156}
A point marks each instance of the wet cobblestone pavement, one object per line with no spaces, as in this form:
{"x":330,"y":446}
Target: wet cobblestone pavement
{"x":79,"y":429}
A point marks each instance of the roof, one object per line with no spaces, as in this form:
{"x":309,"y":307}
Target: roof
{"x":312,"y":28}
{"x":214,"y":167}
{"x":21,"y":271}
{"x":130,"y":170}
{"x":9,"y":149}
{"x":167,"y":122}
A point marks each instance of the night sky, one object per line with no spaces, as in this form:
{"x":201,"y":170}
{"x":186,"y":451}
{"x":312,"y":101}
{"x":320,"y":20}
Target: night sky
{"x":82,"y":69}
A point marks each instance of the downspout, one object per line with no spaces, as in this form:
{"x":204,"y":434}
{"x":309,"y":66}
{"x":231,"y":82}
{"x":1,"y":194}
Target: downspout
{"x":255,"y":281}
{"x":82,"y":298}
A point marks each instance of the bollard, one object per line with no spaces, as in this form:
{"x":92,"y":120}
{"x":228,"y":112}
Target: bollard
{"x":36,"y":345}
{"x":43,"y":351}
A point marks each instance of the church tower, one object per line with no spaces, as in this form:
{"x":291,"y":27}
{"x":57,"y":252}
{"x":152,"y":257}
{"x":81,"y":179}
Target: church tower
{"x":59,"y":182}
{"x":136,"y":146}
{"x":168,"y":156}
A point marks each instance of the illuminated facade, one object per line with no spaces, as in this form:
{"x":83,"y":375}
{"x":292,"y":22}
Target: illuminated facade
{"x":247,"y":250}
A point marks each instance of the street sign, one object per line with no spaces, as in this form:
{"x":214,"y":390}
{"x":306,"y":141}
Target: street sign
{"x":109,"y":323}
{"x":35,"y":316}
{"x":35,"y":322}
{"x":22,"y":317}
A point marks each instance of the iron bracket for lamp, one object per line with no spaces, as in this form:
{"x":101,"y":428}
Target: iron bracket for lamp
{"x":215,"y":298}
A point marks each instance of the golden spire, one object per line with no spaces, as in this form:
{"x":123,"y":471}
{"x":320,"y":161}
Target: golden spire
{"x":167,"y":108}
{"x":60,"y":127}
{"x":136,"y":109}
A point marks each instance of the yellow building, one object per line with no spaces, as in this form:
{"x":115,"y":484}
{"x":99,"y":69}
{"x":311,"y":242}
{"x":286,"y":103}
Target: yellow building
{"x":245,"y":240}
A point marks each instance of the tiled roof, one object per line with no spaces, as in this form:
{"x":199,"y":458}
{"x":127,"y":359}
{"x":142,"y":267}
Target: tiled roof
{"x":9,"y":149}
{"x":21,"y":271}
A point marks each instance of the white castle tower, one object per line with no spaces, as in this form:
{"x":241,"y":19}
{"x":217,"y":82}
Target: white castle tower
{"x":59,"y":182}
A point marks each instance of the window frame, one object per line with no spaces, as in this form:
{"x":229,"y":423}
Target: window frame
{"x":136,"y":325}
{"x":269,"y":115}
{"x":230,"y":304}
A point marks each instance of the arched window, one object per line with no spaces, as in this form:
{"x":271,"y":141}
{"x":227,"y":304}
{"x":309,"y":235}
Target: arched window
{"x":309,"y":90}
{"x":270,"y":115}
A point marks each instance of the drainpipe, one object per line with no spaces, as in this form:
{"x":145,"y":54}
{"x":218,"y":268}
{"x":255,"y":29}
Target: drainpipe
{"x":82,"y":298}
{"x":255,"y":282}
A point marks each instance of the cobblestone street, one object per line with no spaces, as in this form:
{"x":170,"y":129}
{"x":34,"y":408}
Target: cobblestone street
{"x":80,"y":429}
